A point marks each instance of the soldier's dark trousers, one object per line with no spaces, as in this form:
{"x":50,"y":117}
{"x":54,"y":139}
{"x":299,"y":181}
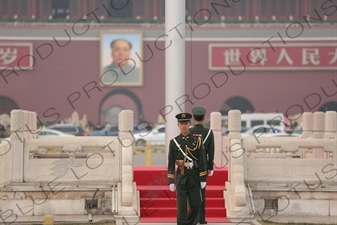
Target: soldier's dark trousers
{"x":202,"y":211}
{"x":191,"y":191}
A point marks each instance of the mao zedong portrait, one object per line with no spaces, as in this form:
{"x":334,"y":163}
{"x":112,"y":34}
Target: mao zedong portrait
{"x":123,"y":69}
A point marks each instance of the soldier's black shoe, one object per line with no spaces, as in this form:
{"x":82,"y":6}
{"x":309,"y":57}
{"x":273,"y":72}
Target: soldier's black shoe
{"x":203,"y":222}
{"x":195,"y":223}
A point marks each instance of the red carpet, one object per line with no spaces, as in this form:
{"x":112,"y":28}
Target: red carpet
{"x":158,"y":203}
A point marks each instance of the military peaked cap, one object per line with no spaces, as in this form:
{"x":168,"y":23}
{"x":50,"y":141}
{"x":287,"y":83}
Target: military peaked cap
{"x":183,"y":117}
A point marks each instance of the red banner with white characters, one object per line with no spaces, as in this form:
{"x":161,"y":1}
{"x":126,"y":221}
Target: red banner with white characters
{"x":292,"y":56}
{"x":17,"y":55}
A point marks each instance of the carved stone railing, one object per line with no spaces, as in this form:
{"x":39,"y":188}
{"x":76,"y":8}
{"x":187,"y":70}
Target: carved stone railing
{"x":74,"y":163}
{"x":74,"y":166}
{"x":268,"y":164}
{"x":235,"y":194}
{"x":276,"y":161}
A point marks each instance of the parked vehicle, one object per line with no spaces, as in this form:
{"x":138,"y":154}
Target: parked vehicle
{"x":283,"y":135}
{"x":108,"y":130}
{"x":76,"y":130}
{"x":263,"y":130}
{"x":249,"y":120}
{"x":156,"y":136}
{"x":52,"y":133}
{"x":112,"y":130}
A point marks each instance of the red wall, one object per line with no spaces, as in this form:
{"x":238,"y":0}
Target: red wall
{"x":68,"y":69}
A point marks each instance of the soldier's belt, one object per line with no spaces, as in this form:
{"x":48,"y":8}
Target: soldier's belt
{"x":180,"y":164}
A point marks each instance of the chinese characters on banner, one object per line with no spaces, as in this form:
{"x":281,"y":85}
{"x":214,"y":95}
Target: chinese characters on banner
{"x":16,"y":55}
{"x":300,"y":56}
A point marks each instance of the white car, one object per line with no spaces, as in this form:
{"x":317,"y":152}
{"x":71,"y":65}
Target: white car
{"x":263,"y":130}
{"x":156,"y":136}
{"x":52,"y":133}
{"x":283,"y":135}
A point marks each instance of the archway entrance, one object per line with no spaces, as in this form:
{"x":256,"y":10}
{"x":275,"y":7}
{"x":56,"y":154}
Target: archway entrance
{"x":116,"y":101}
{"x":7,"y":105}
{"x":239,"y":103}
{"x":329,"y":106}
{"x":111,"y":116}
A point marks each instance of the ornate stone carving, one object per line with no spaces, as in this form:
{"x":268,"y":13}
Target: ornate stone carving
{"x":125,"y":120}
{"x":290,"y":149}
{"x":329,"y":148}
{"x":250,"y":147}
{"x":75,"y":118}
{"x":215,"y":121}
{"x":16,"y":120}
{"x":234,"y":121}
{"x":330,"y":124}
{"x":319,"y":121}
{"x":307,"y":124}
{"x":26,"y":121}
{"x":33,"y":149}
{"x":72,"y":148}
{"x":31,"y":124}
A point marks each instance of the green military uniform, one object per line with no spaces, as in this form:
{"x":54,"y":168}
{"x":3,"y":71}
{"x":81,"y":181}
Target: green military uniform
{"x":187,"y":177}
{"x":208,"y":139}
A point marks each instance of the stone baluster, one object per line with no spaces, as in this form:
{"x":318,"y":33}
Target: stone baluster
{"x":29,"y":127}
{"x":215,"y":126}
{"x":29,"y":131}
{"x":234,"y":131}
{"x":330,"y":130}
{"x":307,"y":131}
{"x":234,"y":124}
{"x":307,"y":125}
{"x":236,"y":158}
{"x":126,"y":139}
{"x":17,"y":151}
{"x":5,"y":157}
{"x":318,"y":133}
{"x":330,"y":125}
{"x":32,"y":125}
{"x":31,"y":150}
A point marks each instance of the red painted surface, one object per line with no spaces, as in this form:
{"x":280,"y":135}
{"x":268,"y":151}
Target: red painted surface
{"x":17,"y":55}
{"x":64,"y":80}
{"x":275,"y":57}
{"x":158,"y":203}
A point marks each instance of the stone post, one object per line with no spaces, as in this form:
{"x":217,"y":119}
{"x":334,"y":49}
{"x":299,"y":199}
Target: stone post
{"x":236,"y":200}
{"x":330,"y":133}
{"x":32,"y":125}
{"x":17,"y":151}
{"x":215,"y":126}
{"x":234,"y":128}
{"x":126,"y":139}
{"x":330,"y":124}
{"x":236,"y":157}
{"x":307,"y":125}
{"x":318,"y":132}
{"x":307,"y":131}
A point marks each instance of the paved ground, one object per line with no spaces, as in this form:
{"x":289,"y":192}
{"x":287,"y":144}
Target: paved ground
{"x":106,"y":218}
{"x":302,"y":219}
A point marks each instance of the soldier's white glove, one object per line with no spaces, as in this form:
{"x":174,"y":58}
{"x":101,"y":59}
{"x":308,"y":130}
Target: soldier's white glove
{"x":172,"y":187}
{"x":210,"y":173}
{"x":203,"y":185}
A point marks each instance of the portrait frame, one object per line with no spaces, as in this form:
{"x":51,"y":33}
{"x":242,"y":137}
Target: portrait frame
{"x":117,"y":74}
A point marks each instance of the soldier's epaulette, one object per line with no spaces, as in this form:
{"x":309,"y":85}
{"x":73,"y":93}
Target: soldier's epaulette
{"x":197,"y":135}
{"x":174,"y":137}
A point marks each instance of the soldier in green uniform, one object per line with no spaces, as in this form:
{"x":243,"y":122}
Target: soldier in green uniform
{"x":208,"y":141}
{"x":187,"y":152}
